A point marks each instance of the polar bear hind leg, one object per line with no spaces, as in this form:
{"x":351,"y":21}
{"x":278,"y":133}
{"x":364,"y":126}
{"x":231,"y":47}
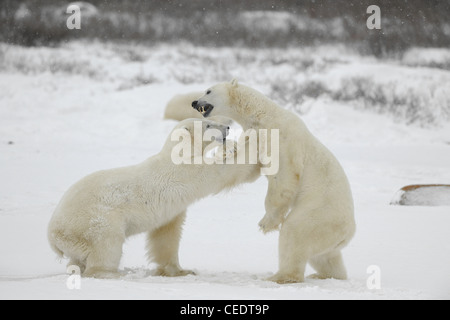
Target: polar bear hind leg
{"x":103,"y":260}
{"x":304,"y":238}
{"x":293,"y":253}
{"x":162,"y":246}
{"x":328,"y":265}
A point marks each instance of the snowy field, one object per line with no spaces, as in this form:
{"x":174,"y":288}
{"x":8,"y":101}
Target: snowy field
{"x":69,"y":111}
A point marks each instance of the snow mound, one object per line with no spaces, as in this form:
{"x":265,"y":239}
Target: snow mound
{"x":423,"y":195}
{"x":427,"y":57}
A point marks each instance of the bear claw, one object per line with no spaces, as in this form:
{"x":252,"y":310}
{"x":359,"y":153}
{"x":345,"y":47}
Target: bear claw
{"x":268,"y":224}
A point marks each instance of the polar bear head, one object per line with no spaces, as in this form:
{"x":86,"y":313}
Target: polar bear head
{"x":218,"y":100}
{"x":196,"y":137}
{"x":210,"y":130}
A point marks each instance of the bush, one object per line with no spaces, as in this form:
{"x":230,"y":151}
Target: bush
{"x":265,"y":23}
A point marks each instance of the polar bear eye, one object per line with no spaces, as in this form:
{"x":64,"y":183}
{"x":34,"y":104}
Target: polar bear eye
{"x":208,"y":92}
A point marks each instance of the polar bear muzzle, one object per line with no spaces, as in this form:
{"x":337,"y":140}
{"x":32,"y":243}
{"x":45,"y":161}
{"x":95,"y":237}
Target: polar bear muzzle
{"x":205,"y":109}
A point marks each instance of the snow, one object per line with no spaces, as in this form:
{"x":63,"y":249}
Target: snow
{"x":101,"y":105}
{"x":434,"y":57}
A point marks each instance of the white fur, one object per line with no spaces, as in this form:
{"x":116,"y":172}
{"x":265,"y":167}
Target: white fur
{"x":309,"y":197}
{"x":180,"y":107}
{"x":99,"y":212}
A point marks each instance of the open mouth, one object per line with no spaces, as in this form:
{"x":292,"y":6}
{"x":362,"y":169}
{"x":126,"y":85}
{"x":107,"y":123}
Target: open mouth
{"x":218,"y":140}
{"x":223,"y":137}
{"x":227,"y":132}
{"x":205,"y":109}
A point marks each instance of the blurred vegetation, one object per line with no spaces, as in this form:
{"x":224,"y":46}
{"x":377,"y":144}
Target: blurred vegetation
{"x":262,"y":23}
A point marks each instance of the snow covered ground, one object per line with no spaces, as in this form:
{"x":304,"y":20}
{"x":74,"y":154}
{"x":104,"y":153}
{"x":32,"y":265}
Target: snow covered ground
{"x":69,"y":111}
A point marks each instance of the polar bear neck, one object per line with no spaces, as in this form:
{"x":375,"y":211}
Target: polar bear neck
{"x":253,"y":109}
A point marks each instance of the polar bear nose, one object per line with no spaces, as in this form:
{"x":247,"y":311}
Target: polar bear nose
{"x":194,"y":104}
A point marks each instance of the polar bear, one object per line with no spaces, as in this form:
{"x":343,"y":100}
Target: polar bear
{"x":97,"y":214}
{"x":179,"y":107}
{"x":309,"y":196}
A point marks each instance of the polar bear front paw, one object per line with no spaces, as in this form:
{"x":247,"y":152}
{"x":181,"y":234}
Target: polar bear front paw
{"x":286,"y":278}
{"x":172,"y":272}
{"x":269,"y":223}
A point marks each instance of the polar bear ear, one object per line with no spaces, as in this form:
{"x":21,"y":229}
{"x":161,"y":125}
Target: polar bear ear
{"x":234,"y":83}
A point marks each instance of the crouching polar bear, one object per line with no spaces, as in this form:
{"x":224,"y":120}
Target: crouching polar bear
{"x":309,"y":196}
{"x":97,"y":214}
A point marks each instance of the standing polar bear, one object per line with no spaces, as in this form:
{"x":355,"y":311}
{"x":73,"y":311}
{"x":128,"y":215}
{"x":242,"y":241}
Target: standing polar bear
{"x":309,"y":196}
{"x":97,"y":214}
